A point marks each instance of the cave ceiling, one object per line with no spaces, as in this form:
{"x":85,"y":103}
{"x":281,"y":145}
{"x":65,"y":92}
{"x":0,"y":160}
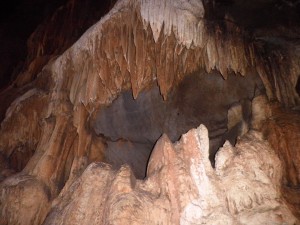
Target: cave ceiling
{"x":150,"y":112}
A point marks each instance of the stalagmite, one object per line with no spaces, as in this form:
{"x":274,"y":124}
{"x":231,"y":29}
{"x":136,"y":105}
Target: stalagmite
{"x":108,"y":130}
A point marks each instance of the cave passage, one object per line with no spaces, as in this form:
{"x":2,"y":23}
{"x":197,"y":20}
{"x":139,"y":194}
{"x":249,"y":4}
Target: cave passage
{"x":298,"y":86}
{"x":132,"y":127}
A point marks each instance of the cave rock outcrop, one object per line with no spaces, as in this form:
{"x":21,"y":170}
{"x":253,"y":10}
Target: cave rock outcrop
{"x":54,"y":152}
{"x":181,"y":187}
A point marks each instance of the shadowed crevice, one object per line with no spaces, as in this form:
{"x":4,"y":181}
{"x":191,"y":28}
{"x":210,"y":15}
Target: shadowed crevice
{"x":132,"y":127}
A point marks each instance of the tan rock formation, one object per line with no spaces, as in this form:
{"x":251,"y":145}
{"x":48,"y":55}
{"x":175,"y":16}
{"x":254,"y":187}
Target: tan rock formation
{"x":282,"y":130}
{"x":24,"y":200}
{"x":181,"y":187}
{"x":47,"y":140}
{"x":280,"y":127}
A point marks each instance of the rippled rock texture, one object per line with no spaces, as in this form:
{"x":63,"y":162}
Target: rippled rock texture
{"x":75,"y":142}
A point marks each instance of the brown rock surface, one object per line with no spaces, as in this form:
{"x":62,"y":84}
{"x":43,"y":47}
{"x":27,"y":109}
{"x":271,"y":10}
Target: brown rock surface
{"x":58,"y":32}
{"x":61,"y":24}
{"x":181,"y":187}
{"x":24,"y":200}
{"x":282,"y":130}
{"x":48,"y":142}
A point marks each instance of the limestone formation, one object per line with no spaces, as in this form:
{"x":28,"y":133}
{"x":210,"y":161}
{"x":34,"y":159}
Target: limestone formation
{"x":181,"y":187}
{"x":76,"y":138}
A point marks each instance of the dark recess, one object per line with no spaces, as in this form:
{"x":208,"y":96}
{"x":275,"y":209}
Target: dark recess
{"x":19,"y":19}
{"x":132,"y":127}
{"x":298,"y":86}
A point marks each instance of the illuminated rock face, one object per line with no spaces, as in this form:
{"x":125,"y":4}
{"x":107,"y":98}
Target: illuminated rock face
{"x":145,"y":69}
{"x":181,"y":187}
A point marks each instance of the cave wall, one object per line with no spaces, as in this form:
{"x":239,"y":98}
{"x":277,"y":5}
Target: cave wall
{"x":58,"y":32}
{"x":282,"y":132}
{"x":18,"y":20}
{"x":33,"y":33}
{"x":138,"y":51}
{"x":116,"y":197}
{"x":200,"y":98}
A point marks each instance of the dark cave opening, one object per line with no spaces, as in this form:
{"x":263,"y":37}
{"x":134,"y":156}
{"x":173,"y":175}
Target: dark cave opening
{"x":298,"y":86}
{"x":132,"y":127}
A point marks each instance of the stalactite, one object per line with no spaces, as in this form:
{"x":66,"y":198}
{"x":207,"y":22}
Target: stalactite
{"x":137,"y":44}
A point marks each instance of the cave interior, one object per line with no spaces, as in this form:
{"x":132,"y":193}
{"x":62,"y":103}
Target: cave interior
{"x":51,"y":132}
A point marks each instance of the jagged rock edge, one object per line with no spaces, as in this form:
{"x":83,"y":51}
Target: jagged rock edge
{"x":209,"y":52}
